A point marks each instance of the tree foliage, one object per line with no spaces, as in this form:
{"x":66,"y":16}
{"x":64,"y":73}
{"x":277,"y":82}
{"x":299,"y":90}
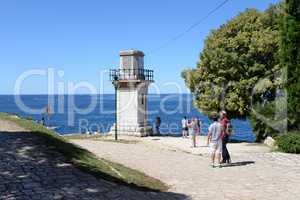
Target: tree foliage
{"x":290,"y":59}
{"x":234,"y":59}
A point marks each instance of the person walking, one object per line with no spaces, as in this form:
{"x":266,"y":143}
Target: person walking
{"x":184,"y":123}
{"x":157,"y":125}
{"x":225,"y":123}
{"x":189,"y":126}
{"x":199,"y":125}
{"x":214,"y":141}
{"x":43,"y":121}
{"x":194,"y":130}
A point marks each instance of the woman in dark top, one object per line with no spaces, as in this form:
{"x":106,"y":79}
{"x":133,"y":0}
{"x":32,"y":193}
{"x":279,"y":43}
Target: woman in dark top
{"x":225,"y":137}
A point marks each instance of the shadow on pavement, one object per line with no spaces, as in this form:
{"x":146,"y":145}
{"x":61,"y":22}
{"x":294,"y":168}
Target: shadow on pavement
{"x":236,"y":164}
{"x":31,"y":169}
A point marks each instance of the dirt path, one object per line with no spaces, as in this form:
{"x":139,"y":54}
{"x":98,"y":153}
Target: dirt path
{"x":255,"y":174}
{"x":31,"y":170}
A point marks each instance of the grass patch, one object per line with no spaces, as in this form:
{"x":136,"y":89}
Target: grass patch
{"x":85,"y":136}
{"x":88,"y":162}
{"x":118,"y":141}
{"x":102,"y":138}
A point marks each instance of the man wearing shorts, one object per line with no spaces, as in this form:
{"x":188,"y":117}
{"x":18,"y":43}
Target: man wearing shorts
{"x":184,"y":123}
{"x":215,"y":141}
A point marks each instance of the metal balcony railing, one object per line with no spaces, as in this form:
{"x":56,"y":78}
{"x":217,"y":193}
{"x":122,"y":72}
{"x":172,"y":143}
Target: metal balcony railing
{"x":131,"y":74}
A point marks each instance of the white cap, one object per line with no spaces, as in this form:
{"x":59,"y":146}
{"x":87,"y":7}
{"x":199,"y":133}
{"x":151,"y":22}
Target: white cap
{"x":224,"y":112}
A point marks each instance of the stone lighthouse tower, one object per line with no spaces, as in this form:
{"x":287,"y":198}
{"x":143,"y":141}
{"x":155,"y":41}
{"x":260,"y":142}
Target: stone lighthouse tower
{"x":131,"y":81}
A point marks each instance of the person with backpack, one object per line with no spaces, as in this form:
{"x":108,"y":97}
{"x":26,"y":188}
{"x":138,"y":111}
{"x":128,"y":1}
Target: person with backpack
{"x":226,"y":132}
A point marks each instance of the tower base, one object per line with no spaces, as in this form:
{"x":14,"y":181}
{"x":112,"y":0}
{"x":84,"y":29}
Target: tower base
{"x":138,"y":131}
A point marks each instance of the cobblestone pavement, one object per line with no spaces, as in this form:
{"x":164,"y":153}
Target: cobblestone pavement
{"x":253,"y":174}
{"x":31,"y":170}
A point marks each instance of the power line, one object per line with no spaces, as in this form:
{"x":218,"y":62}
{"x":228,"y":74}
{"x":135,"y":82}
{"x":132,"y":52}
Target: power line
{"x":180,"y":35}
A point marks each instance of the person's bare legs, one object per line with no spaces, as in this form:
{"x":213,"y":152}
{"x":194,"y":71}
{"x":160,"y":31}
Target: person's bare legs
{"x":219,"y":153}
{"x":185,"y":134}
{"x":194,"y":140}
{"x":219,"y":158}
{"x":213,"y":159}
{"x":215,"y":156}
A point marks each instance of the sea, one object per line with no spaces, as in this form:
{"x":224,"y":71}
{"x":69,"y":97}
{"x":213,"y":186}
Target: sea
{"x":82,"y":114}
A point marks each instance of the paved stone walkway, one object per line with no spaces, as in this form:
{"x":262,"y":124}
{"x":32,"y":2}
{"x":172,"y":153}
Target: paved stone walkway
{"x":31,"y":170}
{"x":255,"y":174}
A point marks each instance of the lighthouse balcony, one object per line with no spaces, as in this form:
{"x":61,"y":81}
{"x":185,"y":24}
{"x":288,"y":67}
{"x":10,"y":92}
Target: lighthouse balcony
{"x":131,"y":75}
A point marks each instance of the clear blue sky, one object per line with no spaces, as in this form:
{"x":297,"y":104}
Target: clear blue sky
{"x":82,"y":37}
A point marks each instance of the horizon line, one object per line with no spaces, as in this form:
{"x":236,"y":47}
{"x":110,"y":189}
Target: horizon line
{"x":82,"y":94}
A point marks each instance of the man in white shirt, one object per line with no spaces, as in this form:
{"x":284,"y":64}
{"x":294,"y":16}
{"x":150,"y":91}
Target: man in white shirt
{"x":215,"y":141}
{"x":184,"y":123}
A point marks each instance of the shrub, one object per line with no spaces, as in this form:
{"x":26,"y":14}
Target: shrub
{"x":261,"y":130}
{"x":289,"y":142}
{"x":270,"y":124}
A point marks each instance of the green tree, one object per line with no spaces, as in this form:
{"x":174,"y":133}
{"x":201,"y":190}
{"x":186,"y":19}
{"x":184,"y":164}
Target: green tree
{"x":290,"y":59}
{"x":235,"y":57}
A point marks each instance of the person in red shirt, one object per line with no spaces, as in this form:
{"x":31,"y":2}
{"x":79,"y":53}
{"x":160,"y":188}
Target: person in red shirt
{"x":224,"y":121}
